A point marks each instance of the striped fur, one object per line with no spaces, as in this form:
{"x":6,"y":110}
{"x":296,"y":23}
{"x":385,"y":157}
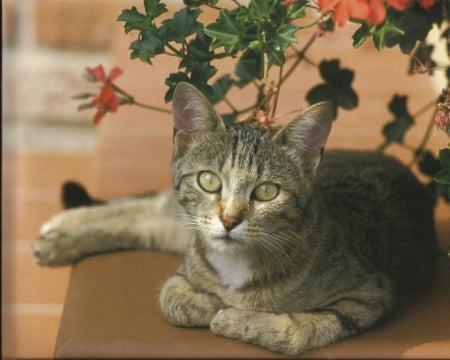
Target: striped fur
{"x":279,"y":251}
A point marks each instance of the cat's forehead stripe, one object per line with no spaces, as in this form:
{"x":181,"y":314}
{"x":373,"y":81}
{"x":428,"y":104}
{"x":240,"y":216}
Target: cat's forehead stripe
{"x":245,"y":145}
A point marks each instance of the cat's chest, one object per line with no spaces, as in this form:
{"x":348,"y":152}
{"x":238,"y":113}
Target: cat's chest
{"x":233,"y":270}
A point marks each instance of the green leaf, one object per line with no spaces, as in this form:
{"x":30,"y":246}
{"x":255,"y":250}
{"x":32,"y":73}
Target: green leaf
{"x":250,"y":66}
{"x":202,"y":72}
{"x":443,"y":177}
{"x":172,"y":81}
{"x":147,"y":46}
{"x":199,"y":47}
{"x":275,"y":56}
{"x":403,"y":28}
{"x":383,"y":34}
{"x":297,"y":10}
{"x":182,"y":24}
{"x":444,"y":157}
{"x":154,"y":8}
{"x":286,"y":35}
{"x":227,"y":31}
{"x":134,"y":20}
{"x":362,"y":34}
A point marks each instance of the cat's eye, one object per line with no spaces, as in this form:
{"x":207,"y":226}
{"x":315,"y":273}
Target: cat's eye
{"x":209,"y":182}
{"x":266,"y":192}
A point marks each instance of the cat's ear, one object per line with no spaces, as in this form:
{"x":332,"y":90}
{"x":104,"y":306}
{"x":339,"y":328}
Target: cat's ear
{"x":304,"y":137}
{"x":192,"y":114}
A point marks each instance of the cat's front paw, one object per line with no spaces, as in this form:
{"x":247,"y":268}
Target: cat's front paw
{"x":55,"y":248}
{"x":232,"y":323}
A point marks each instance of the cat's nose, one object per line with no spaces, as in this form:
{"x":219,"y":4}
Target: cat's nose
{"x":229,"y":222}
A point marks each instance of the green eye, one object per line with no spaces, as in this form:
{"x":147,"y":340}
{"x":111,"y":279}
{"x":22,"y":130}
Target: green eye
{"x":209,"y":182}
{"x":266,"y":192}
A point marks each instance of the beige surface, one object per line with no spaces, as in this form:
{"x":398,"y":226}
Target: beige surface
{"x":111,"y":311}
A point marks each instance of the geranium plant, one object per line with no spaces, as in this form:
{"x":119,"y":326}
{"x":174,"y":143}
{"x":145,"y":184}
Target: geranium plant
{"x":261,"y":37}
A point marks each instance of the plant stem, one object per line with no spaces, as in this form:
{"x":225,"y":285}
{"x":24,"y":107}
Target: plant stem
{"x":131,"y":101}
{"x":277,"y":94}
{"x":300,"y":56}
{"x":150,"y":107}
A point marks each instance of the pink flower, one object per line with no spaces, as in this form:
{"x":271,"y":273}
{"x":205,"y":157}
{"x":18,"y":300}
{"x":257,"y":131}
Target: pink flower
{"x":442,"y":120}
{"x":106,"y":100}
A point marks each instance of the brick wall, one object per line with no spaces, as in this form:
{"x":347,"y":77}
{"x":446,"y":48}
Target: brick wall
{"x":46,"y":45}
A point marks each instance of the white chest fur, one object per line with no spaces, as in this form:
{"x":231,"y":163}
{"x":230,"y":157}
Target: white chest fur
{"x":234,"y":270}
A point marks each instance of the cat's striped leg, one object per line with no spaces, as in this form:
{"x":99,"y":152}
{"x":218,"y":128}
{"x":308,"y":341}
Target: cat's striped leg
{"x":290,"y":334}
{"x":293,"y":333}
{"x":182,"y":305}
{"x":67,"y":244}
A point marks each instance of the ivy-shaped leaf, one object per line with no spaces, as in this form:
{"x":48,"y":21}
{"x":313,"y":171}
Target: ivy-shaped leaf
{"x":171,"y":81}
{"x":181,"y":25}
{"x":443,"y":176}
{"x":297,"y":10}
{"x":154,"y":8}
{"x":227,"y":31}
{"x":147,"y":46}
{"x":134,"y":20}
{"x":402,"y":28}
{"x":250,"y":66}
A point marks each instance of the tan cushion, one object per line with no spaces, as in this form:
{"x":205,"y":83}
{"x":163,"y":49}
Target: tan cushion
{"x":111,"y":311}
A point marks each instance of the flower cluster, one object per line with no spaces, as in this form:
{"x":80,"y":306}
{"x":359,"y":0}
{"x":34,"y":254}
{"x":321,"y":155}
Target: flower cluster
{"x":442,"y":119}
{"x":106,"y":100}
{"x":372,"y":11}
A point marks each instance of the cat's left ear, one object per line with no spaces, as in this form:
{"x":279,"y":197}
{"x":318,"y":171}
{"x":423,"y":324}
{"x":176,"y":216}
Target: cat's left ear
{"x":305,"y":137}
{"x":192,"y":114}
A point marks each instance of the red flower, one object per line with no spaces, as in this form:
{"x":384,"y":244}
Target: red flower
{"x":106,"y":100}
{"x":373,"y":11}
{"x":344,"y":9}
{"x":426,"y":4}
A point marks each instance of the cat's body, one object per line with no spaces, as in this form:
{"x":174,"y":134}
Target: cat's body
{"x":278,"y":251}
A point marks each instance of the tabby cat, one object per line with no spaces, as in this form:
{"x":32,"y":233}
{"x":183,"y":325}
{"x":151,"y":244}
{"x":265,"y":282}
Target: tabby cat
{"x":279,"y":251}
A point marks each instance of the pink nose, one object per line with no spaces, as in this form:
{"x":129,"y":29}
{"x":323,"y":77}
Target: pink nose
{"x":229,"y":222}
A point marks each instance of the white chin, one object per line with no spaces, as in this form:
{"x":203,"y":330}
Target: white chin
{"x":223,"y":245}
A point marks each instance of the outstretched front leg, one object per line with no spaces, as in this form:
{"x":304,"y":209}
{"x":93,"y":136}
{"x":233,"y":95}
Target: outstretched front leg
{"x":149,"y":223}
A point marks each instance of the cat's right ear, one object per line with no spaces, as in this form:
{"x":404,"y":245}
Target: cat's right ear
{"x":192,"y":114}
{"x":304,"y":138}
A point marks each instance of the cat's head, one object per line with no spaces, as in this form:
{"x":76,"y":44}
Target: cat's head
{"x":241,"y":186}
